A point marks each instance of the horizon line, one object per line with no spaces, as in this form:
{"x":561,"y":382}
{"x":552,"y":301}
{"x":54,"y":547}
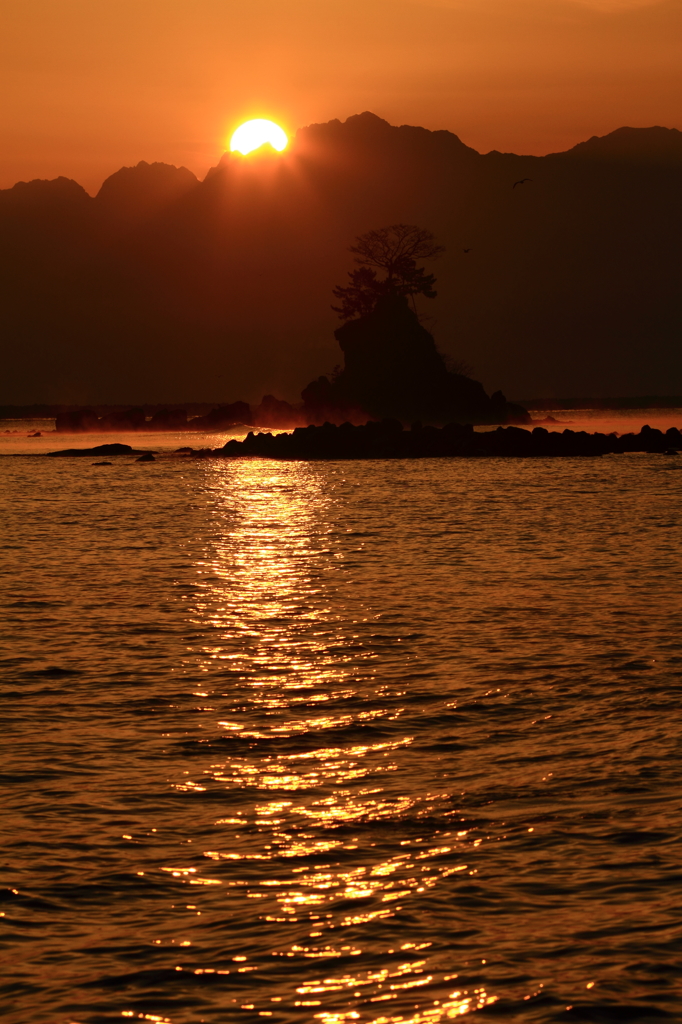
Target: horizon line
{"x":351,"y":117}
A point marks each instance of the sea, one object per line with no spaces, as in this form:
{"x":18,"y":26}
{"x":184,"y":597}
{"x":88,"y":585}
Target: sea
{"x":384,"y":741}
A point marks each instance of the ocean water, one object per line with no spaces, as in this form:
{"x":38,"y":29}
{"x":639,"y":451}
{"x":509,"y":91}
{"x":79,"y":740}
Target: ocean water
{"x":38,"y":436}
{"x":334,"y":742}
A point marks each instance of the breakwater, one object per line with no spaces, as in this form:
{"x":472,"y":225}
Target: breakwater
{"x":388,"y":440}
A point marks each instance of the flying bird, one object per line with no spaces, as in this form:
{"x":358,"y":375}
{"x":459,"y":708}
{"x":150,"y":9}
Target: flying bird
{"x":522,"y":182}
{"x":466,"y":250}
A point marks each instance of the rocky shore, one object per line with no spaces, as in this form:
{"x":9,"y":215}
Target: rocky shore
{"x":386,"y":439}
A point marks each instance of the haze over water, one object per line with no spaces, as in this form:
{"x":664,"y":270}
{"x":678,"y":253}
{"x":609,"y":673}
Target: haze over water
{"x":20,"y":436}
{"x":363,"y":741}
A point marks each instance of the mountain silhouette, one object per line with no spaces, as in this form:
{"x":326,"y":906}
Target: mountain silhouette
{"x":163,"y":288}
{"x":135,"y":194}
{"x":654,"y":146}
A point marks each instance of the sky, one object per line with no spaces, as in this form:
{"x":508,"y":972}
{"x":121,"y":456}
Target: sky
{"x":89,"y":86}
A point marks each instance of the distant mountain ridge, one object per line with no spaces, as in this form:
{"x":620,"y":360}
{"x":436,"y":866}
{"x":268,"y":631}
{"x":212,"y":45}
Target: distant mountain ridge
{"x":136,"y":192}
{"x":654,"y":145}
{"x":164,"y":288}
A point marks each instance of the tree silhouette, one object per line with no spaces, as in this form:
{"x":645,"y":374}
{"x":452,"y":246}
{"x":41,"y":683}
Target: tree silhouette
{"x":393,"y":251}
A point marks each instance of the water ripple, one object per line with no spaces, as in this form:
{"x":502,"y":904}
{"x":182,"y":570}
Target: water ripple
{"x":382,"y":742}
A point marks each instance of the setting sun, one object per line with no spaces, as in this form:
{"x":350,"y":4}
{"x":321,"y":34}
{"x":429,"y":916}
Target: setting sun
{"x":254,"y":134}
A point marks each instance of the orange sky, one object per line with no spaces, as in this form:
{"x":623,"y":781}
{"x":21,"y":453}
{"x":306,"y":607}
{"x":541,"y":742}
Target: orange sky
{"x":91,"y":85}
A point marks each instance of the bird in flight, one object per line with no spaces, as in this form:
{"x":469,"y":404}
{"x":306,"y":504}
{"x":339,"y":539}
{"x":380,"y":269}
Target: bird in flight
{"x":522,"y":182}
{"x":466,"y":250}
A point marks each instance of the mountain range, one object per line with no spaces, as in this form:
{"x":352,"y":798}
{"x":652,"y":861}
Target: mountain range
{"x":164,"y":288}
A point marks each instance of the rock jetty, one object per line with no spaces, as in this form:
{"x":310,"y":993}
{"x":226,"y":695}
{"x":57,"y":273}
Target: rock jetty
{"x":386,"y":439}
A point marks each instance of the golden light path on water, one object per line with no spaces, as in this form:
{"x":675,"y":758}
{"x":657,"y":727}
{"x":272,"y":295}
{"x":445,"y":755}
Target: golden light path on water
{"x":267,"y":579}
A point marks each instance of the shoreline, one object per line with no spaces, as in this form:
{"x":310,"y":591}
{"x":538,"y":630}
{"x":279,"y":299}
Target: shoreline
{"x":387,"y":439}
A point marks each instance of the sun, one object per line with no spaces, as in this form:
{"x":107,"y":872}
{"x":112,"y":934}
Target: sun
{"x":254,"y":134}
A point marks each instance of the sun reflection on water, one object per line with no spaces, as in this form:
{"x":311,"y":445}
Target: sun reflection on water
{"x":302,"y":751}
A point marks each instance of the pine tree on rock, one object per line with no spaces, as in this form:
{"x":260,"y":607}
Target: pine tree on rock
{"x":394,"y":252}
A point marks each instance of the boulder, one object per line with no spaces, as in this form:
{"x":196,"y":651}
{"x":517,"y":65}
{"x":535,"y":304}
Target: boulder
{"x":100,"y":449}
{"x":274,"y":412}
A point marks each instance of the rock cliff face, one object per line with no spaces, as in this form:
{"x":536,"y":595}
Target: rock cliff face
{"x":393,"y":369}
